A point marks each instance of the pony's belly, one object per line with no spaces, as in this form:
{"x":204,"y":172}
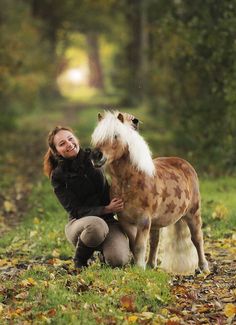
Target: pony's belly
{"x":165,"y":220}
{"x":132,"y":215}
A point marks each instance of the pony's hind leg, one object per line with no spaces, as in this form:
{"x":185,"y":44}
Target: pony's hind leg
{"x":194,"y":222}
{"x":154,"y":239}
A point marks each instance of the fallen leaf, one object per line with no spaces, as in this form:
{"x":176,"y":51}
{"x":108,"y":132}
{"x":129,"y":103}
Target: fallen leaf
{"x":55,"y":253}
{"x":9,"y":206}
{"x":36,"y":221}
{"x":230,"y":310}
{"x":22,"y":295}
{"x":173,"y":321}
{"x":132,"y":318}
{"x":52,"y":312}
{"x":127,"y":302}
{"x":28,"y":282}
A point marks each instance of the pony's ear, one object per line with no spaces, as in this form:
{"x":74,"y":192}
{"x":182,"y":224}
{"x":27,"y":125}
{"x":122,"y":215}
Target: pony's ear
{"x":120,"y":117}
{"x":100,"y":117}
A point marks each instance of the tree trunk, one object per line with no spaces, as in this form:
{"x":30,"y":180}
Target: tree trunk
{"x":143,"y":61}
{"x":95,"y":69}
{"x":136,"y":49}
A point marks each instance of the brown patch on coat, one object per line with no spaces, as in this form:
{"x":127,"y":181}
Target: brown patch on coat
{"x":187,"y":194}
{"x":141,"y":184}
{"x":174,"y":177}
{"x":194,"y":208}
{"x":182,"y":208}
{"x":178,"y":192}
{"x":170,"y":207}
{"x":164,"y":194}
{"x":154,"y":190}
{"x":144,"y":202}
{"x":154,"y":206}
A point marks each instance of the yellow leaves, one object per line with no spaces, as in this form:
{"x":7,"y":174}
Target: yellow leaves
{"x":9,"y":206}
{"x":1,"y":308}
{"x":33,"y":233}
{"x":230,"y":310}
{"x":132,"y":318}
{"x":55,"y":253}
{"x":5,"y":262}
{"x":220,"y":212}
{"x":28,"y":282}
{"x":36,"y":221}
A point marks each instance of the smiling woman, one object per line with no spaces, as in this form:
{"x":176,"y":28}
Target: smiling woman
{"x":66,"y":144}
{"x":83,"y":191}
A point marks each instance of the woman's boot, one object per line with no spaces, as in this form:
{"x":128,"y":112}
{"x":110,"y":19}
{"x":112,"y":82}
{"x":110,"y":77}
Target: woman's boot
{"x":82,"y":254}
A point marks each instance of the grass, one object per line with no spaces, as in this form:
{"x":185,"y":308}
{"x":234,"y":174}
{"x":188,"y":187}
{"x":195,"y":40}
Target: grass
{"x":219,"y":206}
{"x":45,"y":286}
{"x":46,"y":289}
{"x":38,"y":283}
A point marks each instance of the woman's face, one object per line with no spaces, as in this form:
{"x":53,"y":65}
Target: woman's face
{"x":66,"y":144}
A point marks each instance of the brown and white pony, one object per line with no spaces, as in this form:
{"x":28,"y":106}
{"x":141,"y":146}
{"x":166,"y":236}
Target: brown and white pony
{"x":158,"y":193}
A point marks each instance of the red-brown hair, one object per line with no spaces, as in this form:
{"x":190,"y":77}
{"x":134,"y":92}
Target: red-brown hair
{"x":50,"y":160}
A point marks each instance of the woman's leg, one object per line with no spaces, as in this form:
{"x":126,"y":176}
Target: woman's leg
{"x":115,"y":247}
{"x":86,"y":234}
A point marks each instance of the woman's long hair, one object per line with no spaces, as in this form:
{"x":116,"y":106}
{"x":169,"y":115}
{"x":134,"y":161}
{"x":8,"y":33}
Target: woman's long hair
{"x":51,"y":157}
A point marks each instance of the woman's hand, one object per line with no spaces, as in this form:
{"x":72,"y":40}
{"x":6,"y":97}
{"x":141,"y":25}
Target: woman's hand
{"x":115,"y":205}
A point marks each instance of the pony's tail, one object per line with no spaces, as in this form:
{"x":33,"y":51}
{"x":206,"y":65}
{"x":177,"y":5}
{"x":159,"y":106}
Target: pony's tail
{"x":49,"y":163}
{"x":176,"y":251}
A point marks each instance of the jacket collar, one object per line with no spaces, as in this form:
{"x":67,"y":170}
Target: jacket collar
{"x":76,"y":163}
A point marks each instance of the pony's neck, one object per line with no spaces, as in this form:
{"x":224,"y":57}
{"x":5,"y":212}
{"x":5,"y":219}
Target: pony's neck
{"x":122,"y":167}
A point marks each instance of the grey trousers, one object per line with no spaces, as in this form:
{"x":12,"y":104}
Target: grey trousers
{"x":94,"y":232}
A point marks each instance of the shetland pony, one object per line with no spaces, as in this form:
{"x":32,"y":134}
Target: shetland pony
{"x":158,"y":193}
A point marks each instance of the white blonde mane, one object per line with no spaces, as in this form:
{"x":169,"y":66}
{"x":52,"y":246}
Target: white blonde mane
{"x":140,"y":154}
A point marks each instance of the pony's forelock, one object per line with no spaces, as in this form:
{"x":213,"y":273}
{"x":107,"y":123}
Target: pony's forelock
{"x":110,"y":126}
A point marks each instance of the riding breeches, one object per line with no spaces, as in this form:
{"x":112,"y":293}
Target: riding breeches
{"x":95,"y":232}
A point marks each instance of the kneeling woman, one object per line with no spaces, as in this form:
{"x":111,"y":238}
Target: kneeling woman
{"x":84,"y":193}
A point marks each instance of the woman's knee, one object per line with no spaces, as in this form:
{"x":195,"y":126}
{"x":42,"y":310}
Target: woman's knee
{"x":116,"y":259}
{"x":95,"y":232}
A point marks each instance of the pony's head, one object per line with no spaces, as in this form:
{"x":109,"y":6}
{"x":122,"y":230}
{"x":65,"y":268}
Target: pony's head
{"x":115,"y":137}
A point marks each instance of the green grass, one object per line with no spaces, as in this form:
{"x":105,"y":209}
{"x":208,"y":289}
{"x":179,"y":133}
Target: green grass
{"x":219,"y":206}
{"x":41,"y":257}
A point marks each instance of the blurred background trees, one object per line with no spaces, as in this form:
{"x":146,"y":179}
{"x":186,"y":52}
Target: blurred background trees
{"x":174,"y":60}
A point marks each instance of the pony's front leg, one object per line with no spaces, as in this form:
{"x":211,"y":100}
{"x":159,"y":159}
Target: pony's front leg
{"x":130,"y":230}
{"x":141,"y":240}
{"x":154,"y":239}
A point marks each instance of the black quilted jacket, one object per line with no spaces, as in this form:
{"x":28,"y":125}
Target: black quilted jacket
{"x":81,"y":188}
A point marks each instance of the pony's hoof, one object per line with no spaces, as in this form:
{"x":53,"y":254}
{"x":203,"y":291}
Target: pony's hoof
{"x":141,"y":266}
{"x":152,"y":265}
{"x":205,"y":268}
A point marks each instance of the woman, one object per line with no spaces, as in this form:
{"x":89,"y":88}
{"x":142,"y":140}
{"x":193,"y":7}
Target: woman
{"x":84,"y":193}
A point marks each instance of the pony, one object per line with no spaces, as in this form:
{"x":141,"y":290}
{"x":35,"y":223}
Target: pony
{"x":158,"y":194}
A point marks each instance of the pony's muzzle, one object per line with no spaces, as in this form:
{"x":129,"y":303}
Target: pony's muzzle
{"x":97,"y":158}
